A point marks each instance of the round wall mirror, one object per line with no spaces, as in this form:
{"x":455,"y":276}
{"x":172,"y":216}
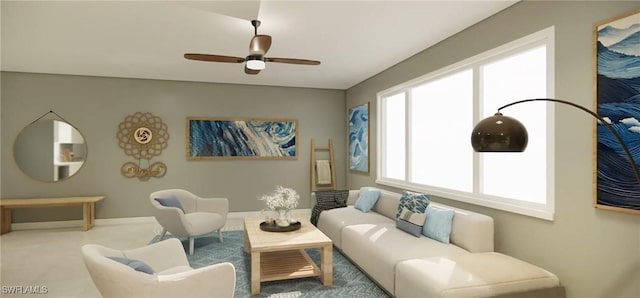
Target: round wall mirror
{"x":50,"y":150}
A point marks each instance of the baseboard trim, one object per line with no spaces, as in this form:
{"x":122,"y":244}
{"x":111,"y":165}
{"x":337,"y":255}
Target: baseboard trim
{"x":130,"y":220}
{"x":125,"y":220}
{"x":46,"y":225}
{"x":78,"y":223}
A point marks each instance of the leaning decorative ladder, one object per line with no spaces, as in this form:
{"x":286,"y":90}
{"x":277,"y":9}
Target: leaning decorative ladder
{"x":323,"y":173}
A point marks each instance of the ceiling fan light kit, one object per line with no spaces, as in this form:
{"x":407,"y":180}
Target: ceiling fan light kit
{"x":255,"y":61}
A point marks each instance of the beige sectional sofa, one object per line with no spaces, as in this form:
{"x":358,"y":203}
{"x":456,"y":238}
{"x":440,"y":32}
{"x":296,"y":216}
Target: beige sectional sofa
{"x":409,"y":266}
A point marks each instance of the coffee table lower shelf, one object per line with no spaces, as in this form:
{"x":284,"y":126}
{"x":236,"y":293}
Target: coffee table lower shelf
{"x":288,"y":264}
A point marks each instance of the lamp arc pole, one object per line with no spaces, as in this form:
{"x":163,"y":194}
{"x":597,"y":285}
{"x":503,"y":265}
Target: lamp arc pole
{"x":606,"y":124}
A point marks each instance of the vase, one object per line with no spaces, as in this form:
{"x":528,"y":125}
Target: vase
{"x":283,"y":218}
{"x":268,"y":216}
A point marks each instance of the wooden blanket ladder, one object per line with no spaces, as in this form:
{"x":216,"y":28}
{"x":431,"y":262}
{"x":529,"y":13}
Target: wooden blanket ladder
{"x":323,"y":173}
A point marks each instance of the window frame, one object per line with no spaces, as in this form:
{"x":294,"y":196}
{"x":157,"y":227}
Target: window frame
{"x":545,"y":37}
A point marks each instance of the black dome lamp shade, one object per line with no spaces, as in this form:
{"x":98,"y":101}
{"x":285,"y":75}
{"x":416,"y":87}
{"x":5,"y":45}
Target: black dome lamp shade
{"x":500,"y":133}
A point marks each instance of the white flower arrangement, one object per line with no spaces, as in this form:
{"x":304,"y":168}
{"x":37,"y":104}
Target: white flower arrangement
{"x":281,"y":199}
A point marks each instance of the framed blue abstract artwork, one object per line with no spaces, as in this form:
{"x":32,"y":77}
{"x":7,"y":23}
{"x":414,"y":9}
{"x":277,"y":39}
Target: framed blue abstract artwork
{"x":617,"y":81}
{"x":359,"y":138}
{"x":233,"y":138}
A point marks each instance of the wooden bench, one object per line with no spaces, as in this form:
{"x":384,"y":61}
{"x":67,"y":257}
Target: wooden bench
{"x":88,"y":208}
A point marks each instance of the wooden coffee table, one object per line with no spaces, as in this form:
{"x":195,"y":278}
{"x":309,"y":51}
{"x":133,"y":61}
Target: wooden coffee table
{"x":281,"y":255}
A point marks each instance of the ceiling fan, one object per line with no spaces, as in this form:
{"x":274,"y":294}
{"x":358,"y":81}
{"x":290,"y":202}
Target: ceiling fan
{"x":255,"y":61}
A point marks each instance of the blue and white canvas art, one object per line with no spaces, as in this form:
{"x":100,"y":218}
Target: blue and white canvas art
{"x":618,"y":102}
{"x":359,"y":138}
{"x":223,"y":138}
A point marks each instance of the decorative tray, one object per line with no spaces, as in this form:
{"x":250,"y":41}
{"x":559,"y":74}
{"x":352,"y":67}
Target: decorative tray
{"x":271,"y":227}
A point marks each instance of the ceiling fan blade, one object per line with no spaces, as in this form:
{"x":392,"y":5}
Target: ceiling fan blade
{"x":259,"y":44}
{"x":213,"y":58}
{"x":251,"y":71}
{"x":292,"y":61}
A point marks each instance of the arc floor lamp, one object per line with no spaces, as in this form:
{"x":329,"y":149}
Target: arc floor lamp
{"x":500,"y":133}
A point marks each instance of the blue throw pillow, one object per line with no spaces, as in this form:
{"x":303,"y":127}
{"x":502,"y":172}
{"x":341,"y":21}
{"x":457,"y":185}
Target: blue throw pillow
{"x":438,"y":224}
{"x":366,"y":200}
{"x":170,"y":202}
{"x":413,"y":201}
{"x":135,"y":264}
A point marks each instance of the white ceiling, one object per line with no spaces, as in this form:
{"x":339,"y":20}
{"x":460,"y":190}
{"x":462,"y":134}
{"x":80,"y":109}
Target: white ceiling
{"x":147,"y":39}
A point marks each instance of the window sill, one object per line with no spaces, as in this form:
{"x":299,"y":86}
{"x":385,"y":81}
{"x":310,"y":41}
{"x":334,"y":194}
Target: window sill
{"x":522,"y":208}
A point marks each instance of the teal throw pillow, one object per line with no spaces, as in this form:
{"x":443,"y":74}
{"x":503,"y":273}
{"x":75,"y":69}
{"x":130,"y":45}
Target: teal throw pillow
{"x":411,"y":222}
{"x":170,"y":202}
{"x":438,"y":224}
{"x":135,"y":264}
{"x":413,"y":201}
{"x":366,"y":200}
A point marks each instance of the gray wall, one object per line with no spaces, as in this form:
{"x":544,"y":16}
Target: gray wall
{"x":595,"y":253}
{"x":96,"y":106}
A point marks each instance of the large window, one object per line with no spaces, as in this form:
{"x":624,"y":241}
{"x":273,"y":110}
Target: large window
{"x":425,"y":125}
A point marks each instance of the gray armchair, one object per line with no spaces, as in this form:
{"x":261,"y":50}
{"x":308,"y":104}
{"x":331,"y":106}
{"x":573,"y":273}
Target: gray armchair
{"x":200,"y":216}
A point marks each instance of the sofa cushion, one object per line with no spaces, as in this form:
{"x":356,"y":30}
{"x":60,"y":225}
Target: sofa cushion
{"x":332,"y":221}
{"x":413,"y":201}
{"x":368,"y":197}
{"x":470,"y":275}
{"x":438,"y":223}
{"x":377,"y":248}
{"x":411,"y":222}
{"x":387,"y":203}
{"x":470,"y":230}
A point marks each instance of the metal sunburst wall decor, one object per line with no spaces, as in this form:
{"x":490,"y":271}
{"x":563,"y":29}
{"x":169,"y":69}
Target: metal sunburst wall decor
{"x":143,"y":136}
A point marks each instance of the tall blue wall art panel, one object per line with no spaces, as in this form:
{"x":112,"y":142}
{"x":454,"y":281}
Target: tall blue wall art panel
{"x":617,"y":48}
{"x":359,"y":138}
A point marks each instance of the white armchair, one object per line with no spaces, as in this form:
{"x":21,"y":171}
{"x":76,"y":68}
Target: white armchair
{"x":173,"y":276}
{"x":200,"y":216}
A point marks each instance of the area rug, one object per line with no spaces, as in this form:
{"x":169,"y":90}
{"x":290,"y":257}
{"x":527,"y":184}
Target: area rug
{"x":348,"y":281}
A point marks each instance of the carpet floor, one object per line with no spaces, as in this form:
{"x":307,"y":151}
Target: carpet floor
{"x":348,"y":281}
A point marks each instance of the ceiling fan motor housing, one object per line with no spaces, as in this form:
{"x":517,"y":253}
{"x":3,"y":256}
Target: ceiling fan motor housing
{"x":254,"y":57}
